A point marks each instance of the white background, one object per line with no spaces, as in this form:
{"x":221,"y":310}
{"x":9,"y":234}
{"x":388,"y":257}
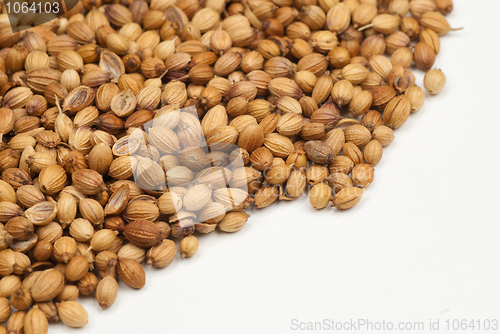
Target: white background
{"x":424,"y":242}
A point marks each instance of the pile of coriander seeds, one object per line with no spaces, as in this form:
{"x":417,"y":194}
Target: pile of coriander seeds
{"x":126,"y":126}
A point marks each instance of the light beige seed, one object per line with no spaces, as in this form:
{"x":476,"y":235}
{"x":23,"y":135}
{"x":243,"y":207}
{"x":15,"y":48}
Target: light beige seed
{"x":107,"y":291}
{"x":347,"y":198}
{"x":320,"y":195}
{"x":434,"y":81}
{"x":72,"y":314}
{"x":188,"y":246}
{"x":35,"y":322}
{"x":233,"y":221}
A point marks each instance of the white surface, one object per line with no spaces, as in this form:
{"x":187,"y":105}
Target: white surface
{"x":422,"y":244}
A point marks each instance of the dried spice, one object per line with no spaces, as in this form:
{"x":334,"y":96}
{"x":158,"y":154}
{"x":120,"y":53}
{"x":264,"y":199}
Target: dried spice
{"x":131,"y":124}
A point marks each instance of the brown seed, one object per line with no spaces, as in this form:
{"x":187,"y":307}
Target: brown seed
{"x":16,"y":177}
{"x":286,"y":105}
{"x":373,"y":152}
{"x":261,"y":158}
{"x":16,"y":322}
{"x":316,"y":173}
{"x":9,"y":284}
{"x":358,"y":135}
{"x":386,"y":23}
{"x":9,"y":210}
{"x":100,"y":158}
{"x":72,"y":313}
{"x":107,"y":291}
{"x":339,"y":181}
{"x":318,"y":152}
{"x":320,"y":195}
{"x":416,"y":96}
{"x":138,"y":118}
{"x":48,"y":285}
{"x":355,"y":73}
{"x":92,"y":210}
{"x":88,"y":181}
{"x":4,"y":309}
{"x":353,"y":153}
{"x":444,"y":6}
{"x":251,"y":137}
{"x":397,"y":111}
{"x":381,"y":96}
{"x":434,"y":81}
{"x":7,"y":120}
{"x":20,"y":228}
{"x":400,"y":79}
{"x":88,"y":284}
{"x":264,"y":197}
{"x":17,"y":97}
{"x":12,"y":158}
{"x":295,"y":185}
{"x":297,"y":159}
{"x":342,"y":92}
{"x":64,"y":249}
{"x":306,"y":80}
{"x":323,"y":88}
{"x":77,"y":268}
{"x":362,"y":175}
{"x":37,"y":59}
{"x":278,"y":174}
{"x":161,"y":255}
{"x":226,"y":64}
{"x":269,"y":123}
{"x":314,"y":62}
{"x":347,"y":198}
{"x":338,"y":18}
{"x":131,"y":273}
{"x":7,"y":262}
{"x":66,"y":209}
{"x":103,"y":240}
{"x":252,"y":61}
{"x":279,"y":145}
{"x":284,"y":87}
{"x":290,"y":124}
{"x":373,"y":45}
{"x":424,"y":56}
{"x":360,"y":104}
{"x":137,"y":210}
{"x":188,"y":246}
{"x":232,"y":198}
{"x":364,"y":14}
{"x":42,"y":213}
{"x":124,"y":103}
{"x":142,"y":233}
{"x":18,"y":143}
{"x":118,"y":201}
{"x":383,"y":134}
{"x":371,"y":120}
{"x":52,"y":179}
{"x":51,"y":232}
{"x":8,"y":194}
{"x":435,"y":21}
{"x":430,"y":37}
{"x":233,"y":221}
{"x":106,"y":260}
{"x":49,"y":311}
{"x":110,"y":123}
{"x":42,"y":250}
{"x":70,"y":292}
